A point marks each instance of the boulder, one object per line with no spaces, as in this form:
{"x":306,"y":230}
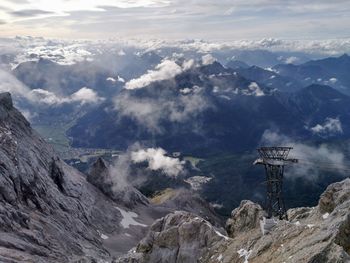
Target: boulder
{"x":245,"y":217}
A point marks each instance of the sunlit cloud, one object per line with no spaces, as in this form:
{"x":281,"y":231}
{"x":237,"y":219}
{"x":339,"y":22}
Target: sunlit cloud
{"x":176,"y":19}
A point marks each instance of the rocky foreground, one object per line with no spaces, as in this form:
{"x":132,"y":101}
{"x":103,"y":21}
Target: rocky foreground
{"x":313,"y":235}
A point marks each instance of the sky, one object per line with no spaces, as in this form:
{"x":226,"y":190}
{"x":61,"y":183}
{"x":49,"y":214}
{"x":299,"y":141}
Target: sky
{"x":176,"y":19}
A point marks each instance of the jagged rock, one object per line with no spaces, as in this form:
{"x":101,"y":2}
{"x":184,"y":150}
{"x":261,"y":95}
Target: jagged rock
{"x":48,"y":211}
{"x":178,"y":237}
{"x":244,"y":218}
{"x":100,"y":175}
{"x":313,"y":235}
{"x":334,"y":195}
{"x":189,"y":201}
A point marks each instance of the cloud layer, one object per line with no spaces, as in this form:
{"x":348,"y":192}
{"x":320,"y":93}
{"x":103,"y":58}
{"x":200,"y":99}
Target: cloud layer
{"x":177,"y":19}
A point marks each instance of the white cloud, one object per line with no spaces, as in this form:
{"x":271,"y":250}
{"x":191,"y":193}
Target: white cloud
{"x":208,"y":59}
{"x":331,"y":126}
{"x":149,"y":112}
{"x":291,"y":60}
{"x":86,"y":95}
{"x":188,"y":64}
{"x":47,"y":97}
{"x":167,"y":69}
{"x":311,"y":159}
{"x":82,"y":96}
{"x":9,"y":83}
{"x":255,"y":90}
{"x":157,"y":160}
{"x":119,"y":79}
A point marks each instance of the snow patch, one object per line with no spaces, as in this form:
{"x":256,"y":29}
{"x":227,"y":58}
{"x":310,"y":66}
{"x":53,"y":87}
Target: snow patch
{"x":111,"y":79}
{"x":244,"y":253}
{"x":325,"y":216}
{"x":103,"y":236}
{"x":128,"y":218}
{"x":333,"y":80}
{"x":221,"y":235}
{"x":197,"y":182}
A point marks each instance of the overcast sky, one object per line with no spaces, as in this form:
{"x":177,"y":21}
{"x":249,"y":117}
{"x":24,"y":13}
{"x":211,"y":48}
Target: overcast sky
{"x":176,"y":19}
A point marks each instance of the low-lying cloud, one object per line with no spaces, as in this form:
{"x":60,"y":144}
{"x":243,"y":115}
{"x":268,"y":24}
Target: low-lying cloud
{"x":157,"y":160}
{"x":312,"y":159}
{"x":151,"y":111}
{"x":82,"y":96}
{"x":167,"y":69}
{"x":9,"y":83}
{"x":208,"y":59}
{"x":330,"y":127}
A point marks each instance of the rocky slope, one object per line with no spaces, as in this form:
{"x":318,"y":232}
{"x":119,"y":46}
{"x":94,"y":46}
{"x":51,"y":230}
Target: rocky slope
{"x":313,"y":234}
{"x":48,"y":211}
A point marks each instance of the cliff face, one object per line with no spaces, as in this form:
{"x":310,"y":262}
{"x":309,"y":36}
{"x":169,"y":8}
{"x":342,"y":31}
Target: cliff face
{"x":48,"y":211}
{"x":313,"y":234}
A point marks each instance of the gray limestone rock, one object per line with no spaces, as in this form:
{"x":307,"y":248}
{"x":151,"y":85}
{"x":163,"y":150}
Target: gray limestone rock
{"x":48,"y":211}
{"x":315,"y":234}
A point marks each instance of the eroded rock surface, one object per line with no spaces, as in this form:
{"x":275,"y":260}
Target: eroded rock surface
{"x":178,"y":237}
{"x":314,"y":234}
{"x":48,"y":211}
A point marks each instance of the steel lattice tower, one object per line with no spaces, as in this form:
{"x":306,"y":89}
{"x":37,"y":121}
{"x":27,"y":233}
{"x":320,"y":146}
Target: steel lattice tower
{"x":275,"y":159}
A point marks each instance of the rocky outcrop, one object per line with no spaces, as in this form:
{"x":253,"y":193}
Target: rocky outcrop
{"x":315,"y":234}
{"x":244,"y":218}
{"x":335,"y":195}
{"x":48,"y":211}
{"x":178,"y":237}
{"x":189,"y":201}
{"x":101,"y":175}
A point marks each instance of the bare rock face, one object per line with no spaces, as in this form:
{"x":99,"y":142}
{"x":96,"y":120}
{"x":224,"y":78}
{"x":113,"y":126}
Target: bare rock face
{"x":189,"y":201}
{"x":244,"y":218}
{"x":48,"y":211}
{"x":334,"y":195}
{"x":178,"y":237}
{"x":312,"y":235}
{"x":100,"y":175}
